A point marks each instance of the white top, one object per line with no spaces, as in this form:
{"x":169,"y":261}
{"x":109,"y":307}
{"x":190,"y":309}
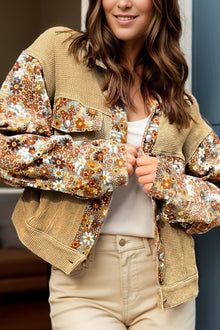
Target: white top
{"x":131,"y":212}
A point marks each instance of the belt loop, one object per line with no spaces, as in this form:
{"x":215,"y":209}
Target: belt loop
{"x":147,"y":246}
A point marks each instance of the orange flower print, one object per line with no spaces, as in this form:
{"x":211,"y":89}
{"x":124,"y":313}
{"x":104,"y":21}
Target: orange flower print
{"x":58,"y":163}
{"x":13,"y":99}
{"x":166,"y":184}
{"x":30,"y":141}
{"x":92,"y":165}
{"x":214,"y":204}
{"x":16,"y":87}
{"x":71,"y":111}
{"x":85,"y":174}
{"x":92,"y":113}
{"x":120,"y":162}
{"x":96,"y":224}
{"x":99,"y":156}
{"x":93,"y":183}
{"x":216,"y":139}
{"x":16,"y":66}
{"x":32,"y":151}
{"x":154,"y":134}
{"x":57,"y":123}
{"x":70,"y":167}
{"x":121,"y":180}
{"x":38,"y":162}
{"x":78,"y":185}
{"x":80,"y":123}
{"x":14,"y":144}
{"x":75,"y":244}
{"x":44,"y":171}
{"x":30,"y":58}
{"x":121,"y":148}
{"x":168,"y":209}
{"x":37,"y":70}
{"x":95,"y":204}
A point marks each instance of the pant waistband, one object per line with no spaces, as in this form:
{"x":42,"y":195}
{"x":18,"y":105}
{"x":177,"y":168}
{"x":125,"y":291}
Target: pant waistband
{"x":123,"y":243}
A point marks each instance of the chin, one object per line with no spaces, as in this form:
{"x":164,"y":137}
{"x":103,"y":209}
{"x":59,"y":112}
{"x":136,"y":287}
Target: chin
{"x":124,"y":37}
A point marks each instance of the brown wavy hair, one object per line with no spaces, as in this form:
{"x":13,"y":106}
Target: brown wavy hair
{"x":164,"y":67}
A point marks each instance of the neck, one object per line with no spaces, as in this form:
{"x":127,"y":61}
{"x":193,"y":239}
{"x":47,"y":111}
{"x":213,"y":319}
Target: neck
{"x":130,"y":52}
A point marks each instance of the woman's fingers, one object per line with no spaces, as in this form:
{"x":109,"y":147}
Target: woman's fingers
{"x":145,"y":179}
{"x":131,"y":149}
{"x":131,"y":155}
{"x":145,"y":160}
{"x":143,"y":170}
{"x":147,"y":188}
{"x":146,"y":166}
{"x":146,"y":171}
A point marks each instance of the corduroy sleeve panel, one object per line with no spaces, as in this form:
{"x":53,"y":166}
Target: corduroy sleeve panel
{"x":44,"y":49}
{"x":182,"y":143}
{"x":198,"y":132}
{"x":64,"y":76}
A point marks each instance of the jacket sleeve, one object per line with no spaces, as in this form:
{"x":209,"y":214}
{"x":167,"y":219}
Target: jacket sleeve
{"x":191,"y":199}
{"x":30,"y":155}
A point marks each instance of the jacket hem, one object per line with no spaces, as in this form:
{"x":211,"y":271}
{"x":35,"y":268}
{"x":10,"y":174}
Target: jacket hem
{"x":48,"y":248}
{"x":178,"y":293}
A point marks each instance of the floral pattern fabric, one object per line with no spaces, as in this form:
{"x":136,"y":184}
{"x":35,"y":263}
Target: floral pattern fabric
{"x":24,"y":103}
{"x":91,"y":224}
{"x":45,"y":161}
{"x":191,"y":196}
{"x":96,"y":209}
{"x":148,"y":142}
{"x":71,"y":116}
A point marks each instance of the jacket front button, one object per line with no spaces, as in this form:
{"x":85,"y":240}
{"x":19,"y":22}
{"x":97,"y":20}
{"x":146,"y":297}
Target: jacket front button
{"x":161,"y":265}
{"x":164,"y":300}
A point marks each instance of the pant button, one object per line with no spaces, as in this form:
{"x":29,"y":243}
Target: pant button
{"x":122,"y":242}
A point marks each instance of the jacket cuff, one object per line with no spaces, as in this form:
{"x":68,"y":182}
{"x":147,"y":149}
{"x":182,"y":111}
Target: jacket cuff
{"x":169,"y":170}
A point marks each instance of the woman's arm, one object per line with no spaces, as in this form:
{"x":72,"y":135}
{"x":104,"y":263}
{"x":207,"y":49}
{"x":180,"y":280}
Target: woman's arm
{"x":30,"y":155}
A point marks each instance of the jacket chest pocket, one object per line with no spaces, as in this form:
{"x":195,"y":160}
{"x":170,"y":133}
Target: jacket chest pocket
{"x":71,"y":117}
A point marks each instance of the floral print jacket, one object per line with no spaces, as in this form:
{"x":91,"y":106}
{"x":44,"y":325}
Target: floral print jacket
{"x":69,"y":146}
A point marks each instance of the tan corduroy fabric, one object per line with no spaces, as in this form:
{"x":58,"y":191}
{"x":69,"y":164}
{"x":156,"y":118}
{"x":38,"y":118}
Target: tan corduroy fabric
{"x":47,"y":222}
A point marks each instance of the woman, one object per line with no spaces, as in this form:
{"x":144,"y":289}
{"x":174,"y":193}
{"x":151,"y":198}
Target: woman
{"x":119,"y":167}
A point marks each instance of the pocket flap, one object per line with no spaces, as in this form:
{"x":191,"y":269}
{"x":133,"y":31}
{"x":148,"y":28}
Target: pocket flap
{"x":72,"y":116}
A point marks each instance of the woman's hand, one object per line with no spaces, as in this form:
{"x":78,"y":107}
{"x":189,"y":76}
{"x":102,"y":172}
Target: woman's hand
{"x":131,"y":155}
{"x":146,"y":171}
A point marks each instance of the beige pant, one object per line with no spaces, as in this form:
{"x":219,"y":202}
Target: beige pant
{"x":117,"y":291}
